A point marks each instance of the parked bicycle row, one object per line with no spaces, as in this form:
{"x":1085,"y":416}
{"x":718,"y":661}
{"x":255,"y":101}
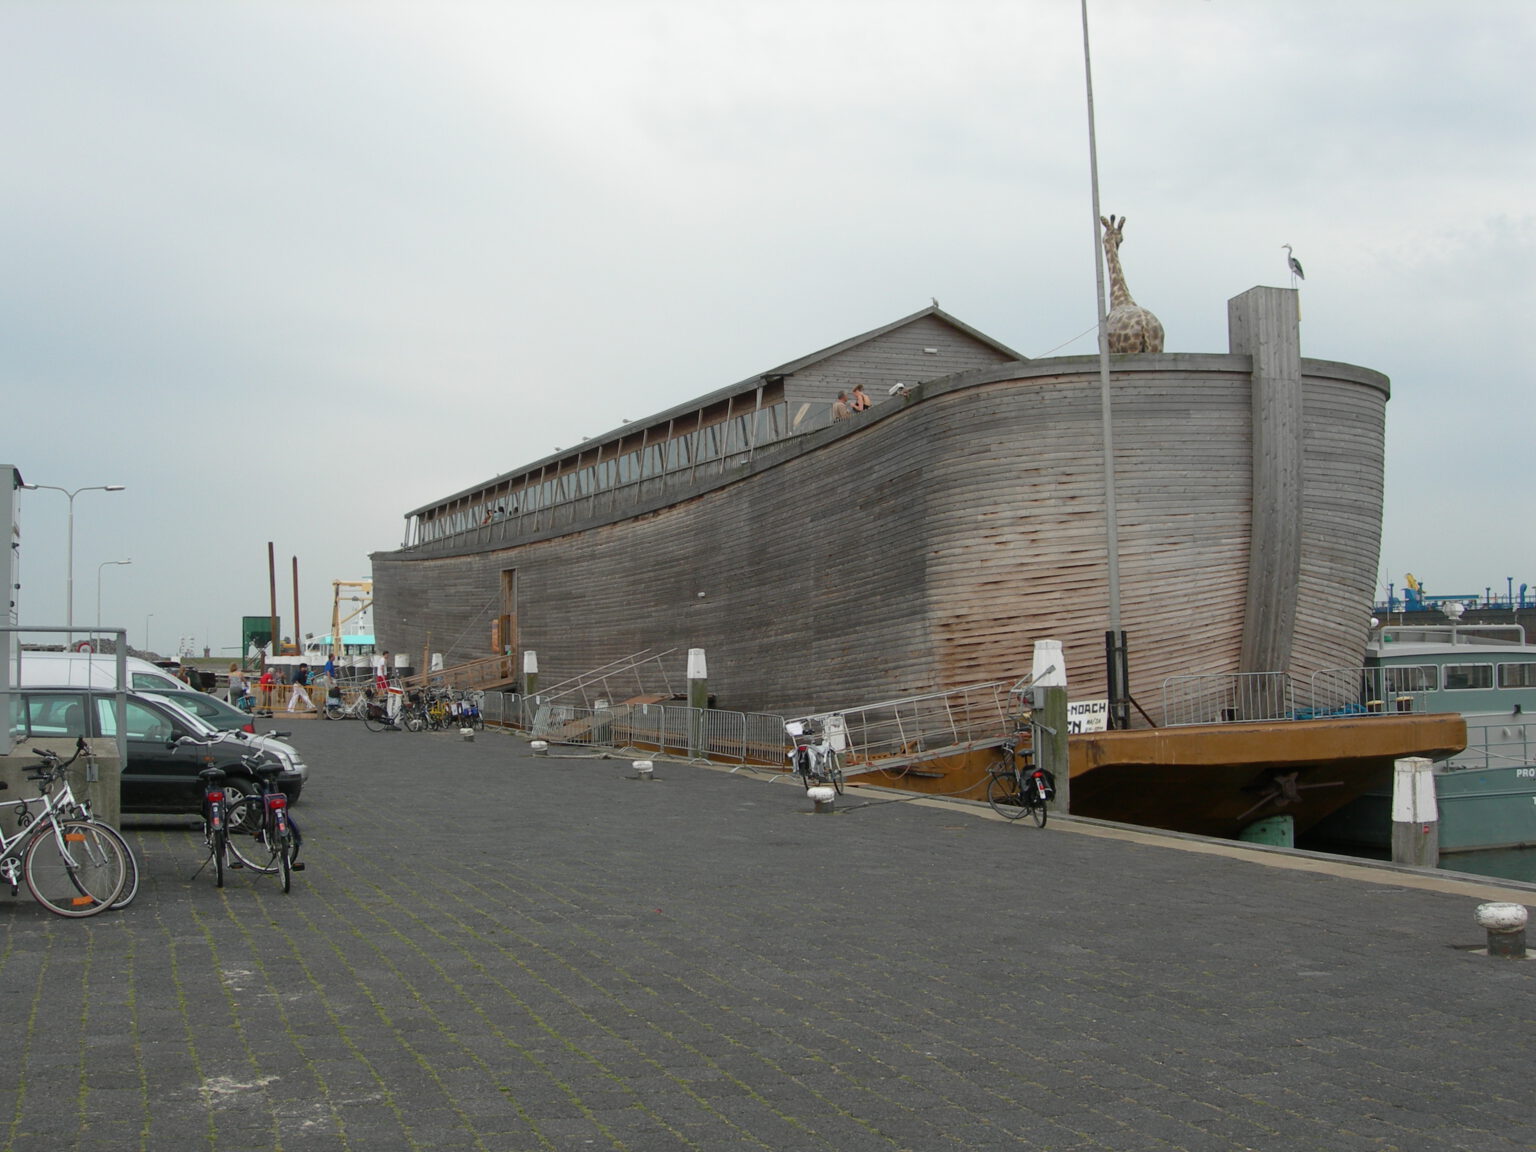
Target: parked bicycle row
{"x":409,"y":710}
{"x":75,"y":864}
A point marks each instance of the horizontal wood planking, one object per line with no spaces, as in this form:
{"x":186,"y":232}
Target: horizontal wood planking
{"x":932,"y":546}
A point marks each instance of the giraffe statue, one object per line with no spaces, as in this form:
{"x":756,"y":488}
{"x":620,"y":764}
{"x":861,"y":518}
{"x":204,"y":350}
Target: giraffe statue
{"x":1131,"y":327}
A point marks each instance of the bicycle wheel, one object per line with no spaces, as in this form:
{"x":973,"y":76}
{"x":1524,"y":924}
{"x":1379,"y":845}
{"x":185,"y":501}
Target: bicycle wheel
{"x":1038,"y":811}
{"x":73,"y":868}
{"x":1005,"y":794}
{"x":803,"y":768}
{"x":250,"y":842}
{"x":334,"y":711}
{"x":285,"y":861}
{"x":130,"y":865}
{"x":236,"y":790}
{"x":835,"y":770}
{"x":130,"y":861}
{"x":218,"y":848}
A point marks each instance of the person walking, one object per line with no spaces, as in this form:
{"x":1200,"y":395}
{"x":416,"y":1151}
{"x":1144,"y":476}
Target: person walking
{"x":236,"y":685}
{"x":300,"y":682}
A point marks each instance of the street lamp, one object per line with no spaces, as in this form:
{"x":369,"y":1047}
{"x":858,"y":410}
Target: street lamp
{"x":99,"y":567}
{"x":70,"y":586}
{"x":147,"y":619}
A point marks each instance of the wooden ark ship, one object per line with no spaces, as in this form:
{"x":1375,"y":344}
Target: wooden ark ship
{"x":930,"y":540}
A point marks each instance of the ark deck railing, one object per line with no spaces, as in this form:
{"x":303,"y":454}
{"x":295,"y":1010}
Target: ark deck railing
{"x":1225,"y":698}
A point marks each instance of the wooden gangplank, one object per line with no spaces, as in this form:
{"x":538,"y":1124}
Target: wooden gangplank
{"x":490,"y":672}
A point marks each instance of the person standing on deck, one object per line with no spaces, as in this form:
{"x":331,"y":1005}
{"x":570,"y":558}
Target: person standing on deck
{"x":860,"y":401}
{"x":840,"y":407}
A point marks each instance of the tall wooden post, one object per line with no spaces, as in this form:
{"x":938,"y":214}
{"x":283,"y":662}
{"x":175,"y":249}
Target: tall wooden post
{"x":272,"y":583}
{"x":298,"y":636}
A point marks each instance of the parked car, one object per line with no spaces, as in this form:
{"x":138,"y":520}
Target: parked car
{"x":227,"y":718}
{"x":159,"y":775}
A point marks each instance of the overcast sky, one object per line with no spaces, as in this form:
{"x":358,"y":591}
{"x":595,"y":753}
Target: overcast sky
{"x":289,"y":270}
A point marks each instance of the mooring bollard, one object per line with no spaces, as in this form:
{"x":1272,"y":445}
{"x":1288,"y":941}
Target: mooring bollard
{"x":539,"y":747}
{"x":1505,"y":924}
{"x":823,"y":796}
{"x":467,"y":734}
{"x":644,"y":770}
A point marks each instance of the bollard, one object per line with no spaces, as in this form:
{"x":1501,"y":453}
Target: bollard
{"x":539,"y":747}
{"x":823,"y":797}
{"x":467,"y":734}
{"x":1505,"y":924}
{"x":644,"y":770}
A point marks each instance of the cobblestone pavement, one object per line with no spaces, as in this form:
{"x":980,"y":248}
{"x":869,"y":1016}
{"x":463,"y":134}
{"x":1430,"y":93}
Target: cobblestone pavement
{"x":491,"y":950}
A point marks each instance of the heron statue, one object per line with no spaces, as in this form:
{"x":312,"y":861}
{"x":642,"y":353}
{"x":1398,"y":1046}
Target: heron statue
{"x":1294,"y":265}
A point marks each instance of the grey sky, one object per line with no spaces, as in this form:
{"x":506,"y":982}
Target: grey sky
{"x":289,"y":270}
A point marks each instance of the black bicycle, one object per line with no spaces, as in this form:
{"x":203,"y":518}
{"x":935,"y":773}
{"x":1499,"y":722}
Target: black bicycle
{"x":249,"y":830}
{"x":1018,"y":787}
{"x":215,"y":823}
{"x":263,"y":835}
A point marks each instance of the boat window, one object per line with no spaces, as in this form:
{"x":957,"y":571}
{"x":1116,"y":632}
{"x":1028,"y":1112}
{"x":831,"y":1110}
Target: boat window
{"x":1410,"y":678}
{"x":1517,"y":675}
{"x":1459,"y":676}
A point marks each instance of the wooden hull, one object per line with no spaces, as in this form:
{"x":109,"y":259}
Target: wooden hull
{"x":932,"y":545}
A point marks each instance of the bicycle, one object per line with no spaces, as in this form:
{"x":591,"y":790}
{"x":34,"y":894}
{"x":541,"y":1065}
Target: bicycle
{"x":466,"y":709}
{"x":365,"y":706}
{"x":274,"y":839}
{"x":215,"y":824}
{"x":1017,"y":787}
{"x":336,"y":710}
{"x":72,"y":867}
{"x":53,"y":770}
{"x":255,"y":829}
{"x":813,"y":757}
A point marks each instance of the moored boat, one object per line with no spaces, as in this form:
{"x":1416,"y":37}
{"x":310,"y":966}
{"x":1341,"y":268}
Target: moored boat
{"x":1486,"y":793}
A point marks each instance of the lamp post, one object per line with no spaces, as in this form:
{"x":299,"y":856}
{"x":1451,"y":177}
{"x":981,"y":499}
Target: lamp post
{"x":99,"y":567}
{"x":69,"y":603}
{"x":147,"y":619}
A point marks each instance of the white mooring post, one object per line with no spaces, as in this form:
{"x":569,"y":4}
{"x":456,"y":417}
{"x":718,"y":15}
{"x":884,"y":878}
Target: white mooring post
{"x":530,"y":672}
{"x":1049,"y":683}
{"x":1415,"y":816}
{"x":698,"y":699}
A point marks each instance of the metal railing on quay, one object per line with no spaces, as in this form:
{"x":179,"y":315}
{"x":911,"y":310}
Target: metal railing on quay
{"x":894,"y":733}
{"x":671,"y":729}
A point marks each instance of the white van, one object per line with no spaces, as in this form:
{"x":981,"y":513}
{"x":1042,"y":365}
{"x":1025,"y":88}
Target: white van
{"x":92,"y":670}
